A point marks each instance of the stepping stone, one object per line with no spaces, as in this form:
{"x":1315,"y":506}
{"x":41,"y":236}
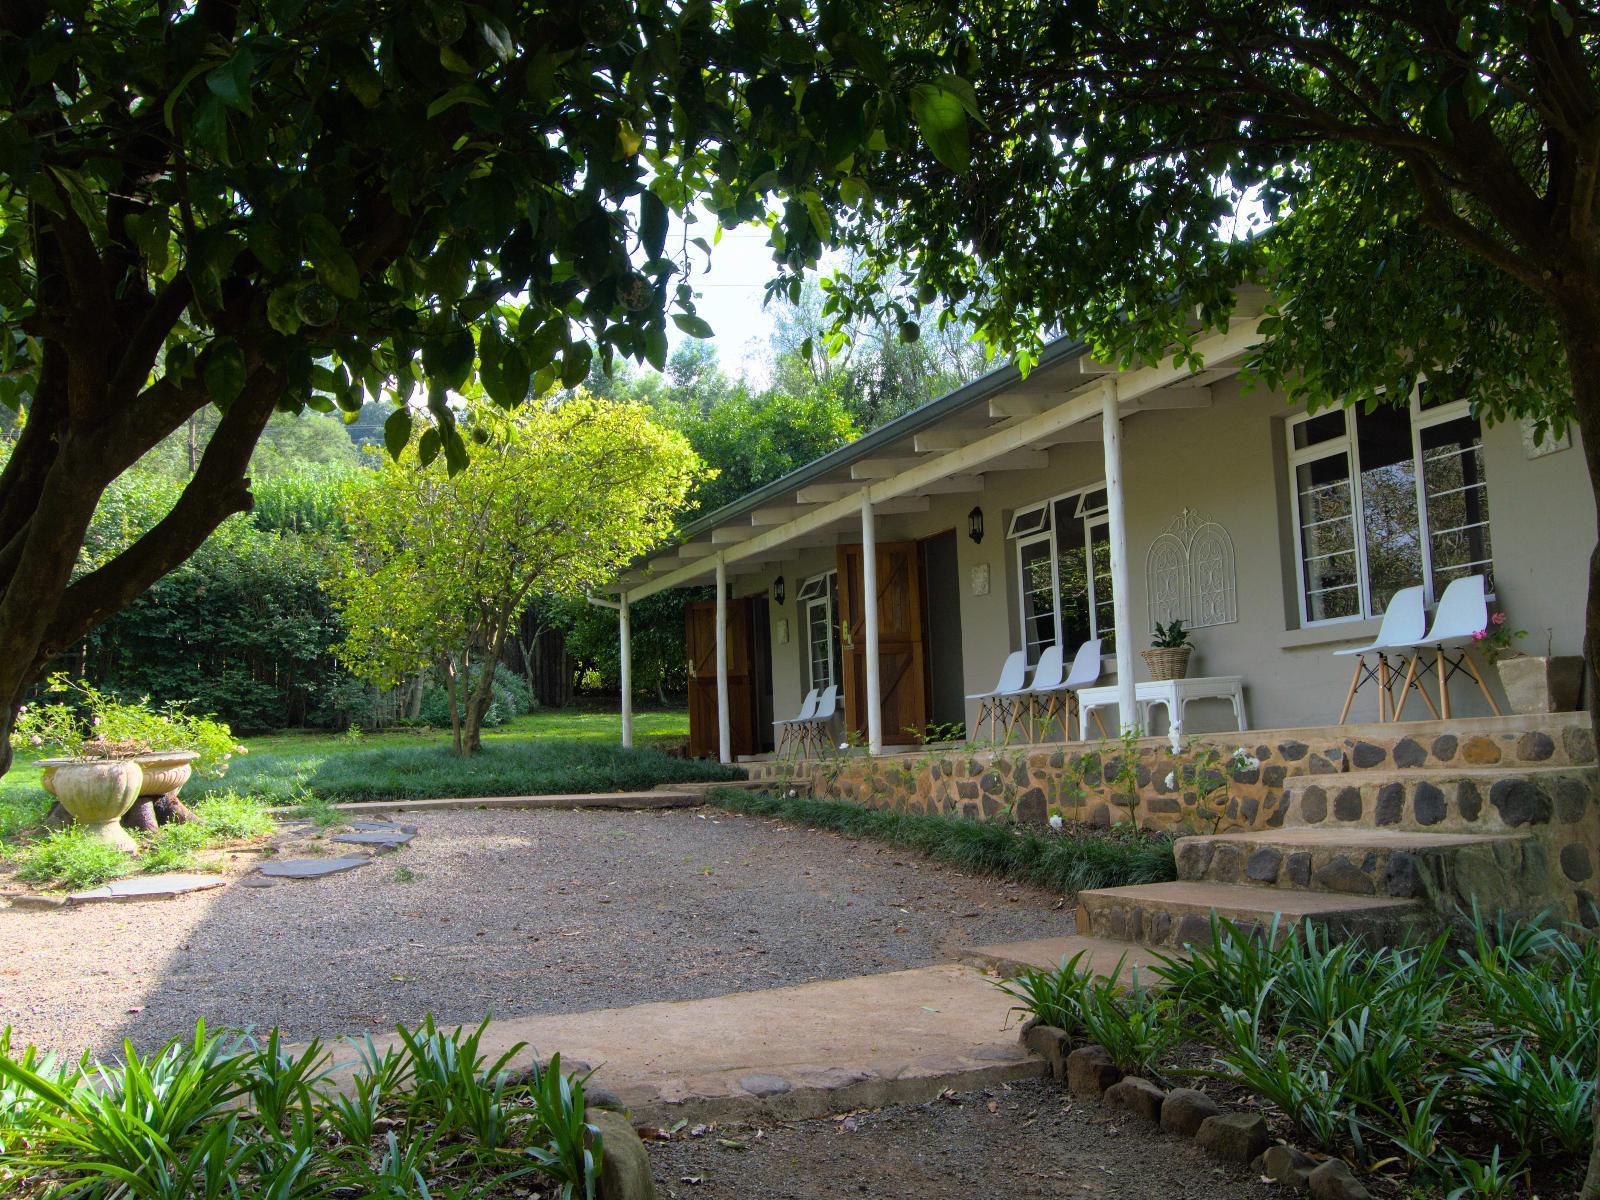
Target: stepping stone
{"x":383,"y":826}
{"x":148,"y":887}
{"x":387,"y":840}
{"x":312,"y":868}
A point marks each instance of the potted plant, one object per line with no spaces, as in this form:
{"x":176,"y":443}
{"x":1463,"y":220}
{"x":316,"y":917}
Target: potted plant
{"x":89,"y":726}
{"x":1533,"y":683}
{"x":1168,"y":656}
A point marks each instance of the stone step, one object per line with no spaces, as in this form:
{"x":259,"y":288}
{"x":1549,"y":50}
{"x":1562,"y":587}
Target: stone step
{"x":1442,"y":800}
{"x":1350,"y":861}
{"x":1179,"y":913}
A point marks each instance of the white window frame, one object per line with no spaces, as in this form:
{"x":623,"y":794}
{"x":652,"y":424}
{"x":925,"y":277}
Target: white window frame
{"x":818,"y":591}
{"x":1025,"y":532}
{"x":1420,"y":419}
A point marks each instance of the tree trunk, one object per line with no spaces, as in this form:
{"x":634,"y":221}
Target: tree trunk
{"x":482,"y":695}
{"x":1580,"y":327}
{"x":453,"y":690}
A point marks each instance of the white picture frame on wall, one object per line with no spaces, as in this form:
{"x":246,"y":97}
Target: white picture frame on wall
{"x":980,"y":579}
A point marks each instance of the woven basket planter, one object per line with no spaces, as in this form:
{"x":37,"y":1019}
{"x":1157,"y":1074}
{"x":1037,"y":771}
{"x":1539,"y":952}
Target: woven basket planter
{"x":1167,"y":662}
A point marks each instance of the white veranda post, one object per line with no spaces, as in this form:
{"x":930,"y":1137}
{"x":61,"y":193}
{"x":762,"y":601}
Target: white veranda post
{"x":625,"y":655}
{"x":724,"y":732}
{"x":1111,"y":431}
{"x":869,"y":608}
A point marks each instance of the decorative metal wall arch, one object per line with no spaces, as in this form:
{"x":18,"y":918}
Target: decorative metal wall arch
{"x":1190,"y":574}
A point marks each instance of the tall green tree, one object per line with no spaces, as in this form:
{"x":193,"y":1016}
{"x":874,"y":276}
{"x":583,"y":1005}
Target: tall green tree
{"x":290,"y":203}
{"x":558,"y":499}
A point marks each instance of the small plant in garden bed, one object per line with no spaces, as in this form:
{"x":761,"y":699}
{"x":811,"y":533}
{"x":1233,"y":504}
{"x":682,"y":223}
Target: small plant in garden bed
{"x":1467,"y":1069}
{"x":224,"y":1116}
{"x":84,"y":721}
{"x":1070,"y":859}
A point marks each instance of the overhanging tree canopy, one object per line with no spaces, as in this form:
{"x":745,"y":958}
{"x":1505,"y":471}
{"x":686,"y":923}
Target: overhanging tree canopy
{"x":304,"y":202}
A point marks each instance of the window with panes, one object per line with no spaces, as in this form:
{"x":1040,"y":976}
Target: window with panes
{"x":1387,"y":499}
{"x":1063,"y":549}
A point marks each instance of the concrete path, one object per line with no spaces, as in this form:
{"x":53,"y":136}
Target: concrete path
{"x":795,"y":1052}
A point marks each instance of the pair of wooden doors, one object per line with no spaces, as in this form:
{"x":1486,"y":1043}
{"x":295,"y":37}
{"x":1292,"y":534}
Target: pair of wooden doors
{"x":902,"y":656}
{"x":701,"y":635}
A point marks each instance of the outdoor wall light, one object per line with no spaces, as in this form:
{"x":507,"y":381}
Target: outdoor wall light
{"x":975,"y":524}
{"x":778,"y":590}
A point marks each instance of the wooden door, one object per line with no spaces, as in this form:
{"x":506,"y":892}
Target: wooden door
{"x":901,"y":654}
{"x":700,"y":634}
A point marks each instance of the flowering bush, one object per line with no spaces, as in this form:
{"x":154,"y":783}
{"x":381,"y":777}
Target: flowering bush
{"x":89,"y":723}
{"x":1497,"y":639}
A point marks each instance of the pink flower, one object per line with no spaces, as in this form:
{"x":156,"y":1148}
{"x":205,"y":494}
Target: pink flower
{"x":1499,"y":618}
{"x":1480,"y":635}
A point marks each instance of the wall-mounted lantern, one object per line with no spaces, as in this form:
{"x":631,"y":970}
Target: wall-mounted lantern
{"x":778,"y":591}
{"x":975,"y":524}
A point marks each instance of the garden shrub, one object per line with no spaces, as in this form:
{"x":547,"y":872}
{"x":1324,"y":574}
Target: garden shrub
{"x":225,"y":1115}
{"x":1470,"y":1068}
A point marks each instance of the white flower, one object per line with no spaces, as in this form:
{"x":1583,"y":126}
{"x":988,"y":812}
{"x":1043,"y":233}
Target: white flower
{"x":1055,"y":820}
{"x":844,"y":745}
{"x":1171,"y":781}
{"x":1243,"y":760}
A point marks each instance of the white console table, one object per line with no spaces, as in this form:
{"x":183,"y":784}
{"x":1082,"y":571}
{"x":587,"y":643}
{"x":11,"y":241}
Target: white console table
{"x":1174,"y":694}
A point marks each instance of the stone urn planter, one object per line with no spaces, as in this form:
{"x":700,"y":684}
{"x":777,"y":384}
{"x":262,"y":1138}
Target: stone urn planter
{"x":165,"y":771}
{"x":96,"y":792}
{"x":1537,"y":683}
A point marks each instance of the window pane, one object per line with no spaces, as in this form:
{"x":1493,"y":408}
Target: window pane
{"x":1388,"y":504}
{"x":1072,"y":566}
{"x":1105,"y":618}
{"x":1327,"y":538}
{"x":1038,"y":598}
{"x":1315,"y":430}
{"x":1457,"y":495}
{"x":817,"y":644}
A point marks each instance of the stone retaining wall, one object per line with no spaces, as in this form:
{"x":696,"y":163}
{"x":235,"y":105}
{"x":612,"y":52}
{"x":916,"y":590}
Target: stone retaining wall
{"x":1090,"y":782}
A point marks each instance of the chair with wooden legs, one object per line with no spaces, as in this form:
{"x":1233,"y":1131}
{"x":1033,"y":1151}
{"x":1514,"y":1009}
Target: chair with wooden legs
{"x":1059,"y":704}
{"x":997,"y":705}
{"x":1404,"y":623}
{"x":1463,"y":613}
{"x":789,"y":732}
{"x":816,"y":732}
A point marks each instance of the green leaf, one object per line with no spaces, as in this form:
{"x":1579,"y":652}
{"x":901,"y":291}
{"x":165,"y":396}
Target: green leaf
{"x":230,"y":82}
{"x":655,"y":347}
{"x":498,"y":38}
{"x":941,"y":117}
{"x":652,"y":224}
{"x":455,"y":451}
{"x":692,"y":325}
{"x":281,"y":312}
{"x":448,"y":359}
{"x":224,"y":373}
{"x":397,"y":432}
{"x":575,"y":364}
{"x":151,"y":232}
{"x":428,"y":447}
{"x":466,"y":93}
{"x":329,"y":259}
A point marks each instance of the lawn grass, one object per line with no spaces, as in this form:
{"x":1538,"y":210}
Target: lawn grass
{"x":1070,"y":860}
{"x":550,"y":752}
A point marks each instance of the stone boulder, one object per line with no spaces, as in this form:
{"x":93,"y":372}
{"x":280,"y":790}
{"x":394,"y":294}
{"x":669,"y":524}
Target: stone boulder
{"x":1138,"y":1096}
{"x":1050,"y":1044}
{"x":1185,"y":1109}
{"x":1234,"y":1137}
{"x":1090,"y":1071}
{"x":1285,"y":1164}
{"x":624,"y":1164}
{"x":1333,"y":1180}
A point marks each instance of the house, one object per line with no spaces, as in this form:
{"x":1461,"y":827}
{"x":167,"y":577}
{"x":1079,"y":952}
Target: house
{"x":1084,"y":501}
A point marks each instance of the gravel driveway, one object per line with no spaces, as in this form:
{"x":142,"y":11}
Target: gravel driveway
{"x":514,"y":913}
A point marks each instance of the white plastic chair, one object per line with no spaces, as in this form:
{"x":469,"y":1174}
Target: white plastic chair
{"x":1085,"y":672}
{"x":996,"y":705}
{"x":1462,"y":614}
{"x":815,"y":732}
{"x":1404,"y":624}
{"x":788,"y":730}
{"x":1048,"y":677}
